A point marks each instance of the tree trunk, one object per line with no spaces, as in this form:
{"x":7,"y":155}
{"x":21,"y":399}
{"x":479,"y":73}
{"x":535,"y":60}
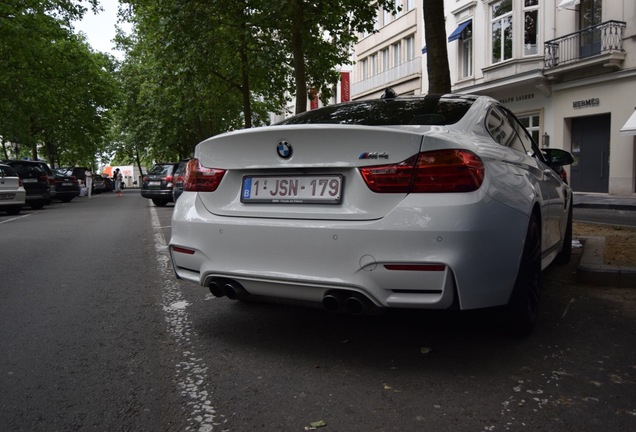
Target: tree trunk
{"x":298,"y":53}
{"x":439,"y":81}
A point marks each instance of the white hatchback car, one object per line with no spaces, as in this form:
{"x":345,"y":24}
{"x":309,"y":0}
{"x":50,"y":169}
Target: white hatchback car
{"x":429,"y":202}
{"x":12,"y":193}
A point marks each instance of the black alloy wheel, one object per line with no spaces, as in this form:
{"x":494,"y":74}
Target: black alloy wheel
{"x":523,"y":306}
{"x":565,"y":254}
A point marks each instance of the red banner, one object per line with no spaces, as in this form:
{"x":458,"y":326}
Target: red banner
{"x":345,"y":86}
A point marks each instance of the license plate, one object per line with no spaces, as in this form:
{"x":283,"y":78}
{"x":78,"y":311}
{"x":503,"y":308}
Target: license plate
{"x":67,"y":184}
{"x":323,"y":189}
{"x":29,"y":180}
{"x":154,"y":183}
{"x":7,"y":196}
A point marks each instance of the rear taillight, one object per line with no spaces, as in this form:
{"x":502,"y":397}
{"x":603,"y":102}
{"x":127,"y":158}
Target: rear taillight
{"x":20,"y":184}
{"x":51,"y":180}
{"x":168,"y":178}
{"x":201,"y":179}
{"x":145,"y":179}
{"x":43,"y":178}
{"x":428,"y":172}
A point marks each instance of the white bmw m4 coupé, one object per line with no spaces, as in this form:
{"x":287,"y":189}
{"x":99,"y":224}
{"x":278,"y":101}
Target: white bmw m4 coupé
{"x":430,"y":202}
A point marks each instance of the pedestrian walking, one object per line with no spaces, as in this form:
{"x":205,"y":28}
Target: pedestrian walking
{"x":89,"y":182}
{"x":118,"y":178}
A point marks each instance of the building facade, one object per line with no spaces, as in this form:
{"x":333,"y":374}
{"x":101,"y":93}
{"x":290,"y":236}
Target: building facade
{"x":567,"y":68}
{"x":392,"y":55}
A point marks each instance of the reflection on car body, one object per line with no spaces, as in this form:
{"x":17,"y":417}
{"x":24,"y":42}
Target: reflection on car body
{"x":462,"y":210}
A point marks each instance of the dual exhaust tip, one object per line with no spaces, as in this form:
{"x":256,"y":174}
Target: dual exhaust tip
{"x":227,"y":288}
{"x":333,"y":300}
{"x":346,"y":301}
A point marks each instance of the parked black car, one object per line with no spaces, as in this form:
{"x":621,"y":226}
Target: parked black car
{"x":101,"y":184}
{"x":179,"y":175}
{"x":158,"y":183}
{"x":66,"y":186}
{"x":51,"y":177}
{"x":35,"y":181}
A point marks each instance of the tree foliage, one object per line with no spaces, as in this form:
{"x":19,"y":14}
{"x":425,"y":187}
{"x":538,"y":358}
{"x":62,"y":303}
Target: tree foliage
{"x":55,"y":92}
{"x":198,"y":68}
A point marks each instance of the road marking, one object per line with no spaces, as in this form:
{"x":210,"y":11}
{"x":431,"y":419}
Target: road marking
{"x":191,"y":372}
{"x":15,"y":218}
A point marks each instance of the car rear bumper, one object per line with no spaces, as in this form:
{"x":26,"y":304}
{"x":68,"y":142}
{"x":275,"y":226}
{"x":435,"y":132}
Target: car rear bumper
{"x":12,"y":199}
{"x":157,"y":194}
{"x":415,"y":257}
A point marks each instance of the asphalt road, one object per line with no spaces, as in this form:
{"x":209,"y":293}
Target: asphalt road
{"x":96,"y":334}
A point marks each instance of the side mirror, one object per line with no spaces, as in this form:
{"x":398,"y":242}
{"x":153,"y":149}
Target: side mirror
{"x":557,"y":157}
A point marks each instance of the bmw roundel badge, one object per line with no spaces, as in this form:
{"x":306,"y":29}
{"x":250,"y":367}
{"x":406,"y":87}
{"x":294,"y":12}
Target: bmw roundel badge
{"x":284,"y":149}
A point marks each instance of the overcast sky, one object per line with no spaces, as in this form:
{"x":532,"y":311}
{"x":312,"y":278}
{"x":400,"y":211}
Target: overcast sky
{"x":100,"y":28}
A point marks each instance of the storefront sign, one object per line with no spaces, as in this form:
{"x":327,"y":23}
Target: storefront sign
{"x":586,"y":103}
{"x":517,"y":98}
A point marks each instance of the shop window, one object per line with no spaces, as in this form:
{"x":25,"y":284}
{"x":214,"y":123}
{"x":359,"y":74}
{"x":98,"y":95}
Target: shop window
{"x":531,"y":123}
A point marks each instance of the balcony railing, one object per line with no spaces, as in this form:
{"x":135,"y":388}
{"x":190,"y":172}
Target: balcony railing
{"x":601,"y":39}
{"x":409,"y":68}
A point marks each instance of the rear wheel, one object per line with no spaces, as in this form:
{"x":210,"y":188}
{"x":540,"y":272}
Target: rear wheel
{"x":523,"y":307}
{"x":159,"y":203}
{"x":37,"y":205}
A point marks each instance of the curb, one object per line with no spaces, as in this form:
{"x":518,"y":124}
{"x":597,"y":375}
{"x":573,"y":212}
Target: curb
{"x":592,"y":270}
{"x":606,"y":206}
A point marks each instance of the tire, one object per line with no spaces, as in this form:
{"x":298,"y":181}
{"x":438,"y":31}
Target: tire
{"x":12,"y":211}
{"x":37,"y":205}
{"x":159,"y":203}
{"x":565,"y":254}
{"x":523,"y":307}
{"x":66,"y":200}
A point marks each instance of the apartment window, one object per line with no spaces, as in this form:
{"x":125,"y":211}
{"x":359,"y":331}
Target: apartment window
{"x":501,"y":26}
{"x":385,"y":59}
{"x":397,"y":54}
{"x":409,"y":5}
{"x":364,"y":68}
{"x":531,"y":123}
{"x":410,"y":48}
{"x":466,"y":51}
{"x":530,"y":27}
{"x":397,"y":4}
{"x":374,"y":65}
{"x":386,"y":17}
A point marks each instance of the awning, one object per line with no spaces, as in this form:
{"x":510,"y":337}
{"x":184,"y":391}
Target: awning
{"x":458,"y":31}
{"x":630,"y":127}
{"x":566,"y":4}
{"x":454,"y":35}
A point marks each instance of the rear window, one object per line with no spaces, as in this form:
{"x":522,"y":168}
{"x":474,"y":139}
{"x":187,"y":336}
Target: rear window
{"x":7,"y":171}
{"x":427,"y":110}
{"x":164,"y":169}
{"x":25,"y":169}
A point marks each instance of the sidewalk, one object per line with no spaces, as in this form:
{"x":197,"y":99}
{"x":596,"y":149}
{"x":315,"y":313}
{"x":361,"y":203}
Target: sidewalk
{"x":591,"y":268}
